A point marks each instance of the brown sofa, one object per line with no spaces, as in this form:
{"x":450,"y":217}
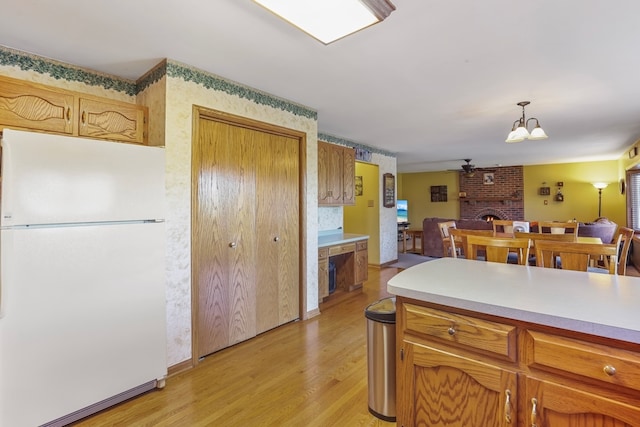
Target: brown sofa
{"x":601,"y":227}
{"x":431,"y":240}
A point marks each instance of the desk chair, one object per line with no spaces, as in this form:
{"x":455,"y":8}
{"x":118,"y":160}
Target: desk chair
{"x":574,"y":255}
{"x":497,"y":248}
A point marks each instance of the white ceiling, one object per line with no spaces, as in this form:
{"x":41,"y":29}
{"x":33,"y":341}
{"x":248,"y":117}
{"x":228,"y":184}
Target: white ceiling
{"x":436,"y":82}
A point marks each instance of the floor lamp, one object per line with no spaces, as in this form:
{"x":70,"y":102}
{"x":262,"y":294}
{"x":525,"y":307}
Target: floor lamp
{"x":600,"y":186}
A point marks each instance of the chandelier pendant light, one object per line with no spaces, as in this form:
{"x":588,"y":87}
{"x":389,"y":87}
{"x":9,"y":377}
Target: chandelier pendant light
{"x":519,"y":131}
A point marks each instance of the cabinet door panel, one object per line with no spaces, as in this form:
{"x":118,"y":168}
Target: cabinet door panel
{"x":561,"y":406}
{"x":349,"y":176}
{"x":32,"y":107}
{"x":449,"y":390}
{"x":112,"y":120}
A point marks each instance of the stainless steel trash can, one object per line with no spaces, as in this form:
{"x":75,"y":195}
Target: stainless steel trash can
{"x":381,"y":358}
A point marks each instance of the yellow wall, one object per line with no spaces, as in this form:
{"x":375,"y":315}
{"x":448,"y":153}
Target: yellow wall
{"x":363,"y":217}
{"x":580,"y":197}
{"x":416,"y":189}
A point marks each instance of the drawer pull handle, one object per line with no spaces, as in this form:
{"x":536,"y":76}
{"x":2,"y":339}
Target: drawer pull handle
{"x":609,"y":370}
{"x":276,"y":239}
{"x":507,"y":407}
{"x":452,"y":331}
{"x":534,"y":412}
{"x":232,"y":245}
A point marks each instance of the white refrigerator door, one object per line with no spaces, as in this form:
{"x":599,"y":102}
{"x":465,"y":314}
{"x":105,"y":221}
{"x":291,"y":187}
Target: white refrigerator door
{"x":83,"y":317}
{"x":53,"y":179}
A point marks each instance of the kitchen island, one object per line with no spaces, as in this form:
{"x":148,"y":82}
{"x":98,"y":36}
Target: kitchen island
{"x":482,"y":344}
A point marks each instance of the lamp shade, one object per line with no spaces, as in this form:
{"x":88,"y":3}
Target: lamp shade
{"x":600,"y":185}
{"x":538,"y":133}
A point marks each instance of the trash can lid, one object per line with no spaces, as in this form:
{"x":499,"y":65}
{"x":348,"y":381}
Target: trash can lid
{"x":383,"y":310}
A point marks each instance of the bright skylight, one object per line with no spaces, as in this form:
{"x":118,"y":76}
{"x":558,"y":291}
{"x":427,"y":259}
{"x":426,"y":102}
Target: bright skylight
{"x":325,"y":20}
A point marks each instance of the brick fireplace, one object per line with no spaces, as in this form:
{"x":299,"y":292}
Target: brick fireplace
{"x":495,"y":193}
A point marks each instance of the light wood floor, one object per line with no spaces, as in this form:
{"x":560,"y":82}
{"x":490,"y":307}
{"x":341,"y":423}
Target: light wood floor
{"x":308,"y":373}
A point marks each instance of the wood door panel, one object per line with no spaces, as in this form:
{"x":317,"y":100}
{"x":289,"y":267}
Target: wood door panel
{"x":278,"y":235}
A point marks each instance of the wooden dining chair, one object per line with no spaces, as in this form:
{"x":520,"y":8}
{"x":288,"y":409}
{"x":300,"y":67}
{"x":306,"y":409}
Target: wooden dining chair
{"x":555,"y":227}
{"x":446,"y":241}
{"x":502,"y":226}
{"x":546,"y":236}
{"x":497,"y":249}
{"x":622,"y":240}
{"x":543,"y":236}
{"x":458,"y":238}
{"x":574,"y":255}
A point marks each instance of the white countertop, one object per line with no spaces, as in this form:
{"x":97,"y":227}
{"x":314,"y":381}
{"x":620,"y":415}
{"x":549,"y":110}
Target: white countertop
{"x":597,"y":304}
{"x":339,"y":238}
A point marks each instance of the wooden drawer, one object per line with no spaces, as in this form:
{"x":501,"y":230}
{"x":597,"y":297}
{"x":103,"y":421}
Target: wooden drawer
{"x":477,"y":334}
{"x":611,"y":365}
{"x":361,"y":246}
{"x":323,"y":253}
{"x":342,"y":249}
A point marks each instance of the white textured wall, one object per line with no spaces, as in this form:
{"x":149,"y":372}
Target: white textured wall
{"x":388,"y":216}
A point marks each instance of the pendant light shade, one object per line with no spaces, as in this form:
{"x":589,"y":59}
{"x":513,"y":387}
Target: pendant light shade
{"x":519,"y":131}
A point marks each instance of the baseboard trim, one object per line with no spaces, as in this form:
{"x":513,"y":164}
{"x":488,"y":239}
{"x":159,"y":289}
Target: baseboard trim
{"x":180,"y":367}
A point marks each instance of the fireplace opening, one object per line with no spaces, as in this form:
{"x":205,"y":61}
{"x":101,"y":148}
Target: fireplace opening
{"x":490,"y":214}
{"x":489,"y":217}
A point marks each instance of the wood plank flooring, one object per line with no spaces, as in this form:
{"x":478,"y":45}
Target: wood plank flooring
{"x":307,"y":373}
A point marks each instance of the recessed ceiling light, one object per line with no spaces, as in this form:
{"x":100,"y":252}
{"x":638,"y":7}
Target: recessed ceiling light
{"x":329,"y":20}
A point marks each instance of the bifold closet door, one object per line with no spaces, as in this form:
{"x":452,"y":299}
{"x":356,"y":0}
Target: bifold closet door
{"x":278,"y":231}
{"x":224,"y":250}
{"x":246,"y":247}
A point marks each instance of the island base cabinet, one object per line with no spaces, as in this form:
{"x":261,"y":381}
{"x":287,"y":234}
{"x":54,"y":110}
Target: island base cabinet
{"x":439,"y":389}
{"x":548,"y":404}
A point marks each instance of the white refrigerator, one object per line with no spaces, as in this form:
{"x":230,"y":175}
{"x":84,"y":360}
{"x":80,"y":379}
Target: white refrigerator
{"x":82,"y":276}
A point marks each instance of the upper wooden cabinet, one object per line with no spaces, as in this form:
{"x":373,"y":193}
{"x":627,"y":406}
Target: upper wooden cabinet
{"x":32,"y":106}
{"x":27,"y":106}
{"x":106,"y":119}
{"x":336,"y":175}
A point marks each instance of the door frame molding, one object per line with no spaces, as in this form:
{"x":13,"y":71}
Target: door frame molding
{"x":203,"y":113}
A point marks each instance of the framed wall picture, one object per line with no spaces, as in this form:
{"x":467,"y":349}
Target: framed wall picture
{"x":388,"y":190}
{"x":488,"y":178}
{"x":359,"y":188}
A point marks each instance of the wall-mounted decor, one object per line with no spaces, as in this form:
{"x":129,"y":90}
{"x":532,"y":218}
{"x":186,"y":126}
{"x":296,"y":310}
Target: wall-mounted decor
{"x":438,"y":193}
{"x":488,"y":178}
{"x":545,"y":191}
{"x":358,"y":186}
{"x":363,"y":154}
{"x":388,"y":190}
{"x":633,"y":152}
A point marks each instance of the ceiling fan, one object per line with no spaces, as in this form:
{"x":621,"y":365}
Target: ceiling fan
{"x":468,"y":169}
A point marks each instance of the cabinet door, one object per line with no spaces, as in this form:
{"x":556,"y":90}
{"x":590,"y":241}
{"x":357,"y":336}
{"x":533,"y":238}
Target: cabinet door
{"x":441,"y":389}
{"x":348,"y":176}
{"x":552,"y":405}
{"x":323,"y":173}
{"x":323,"y":274}
{"x":29,"y":106}
{"x":114,"y":120}
{"x":362,"y":262}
